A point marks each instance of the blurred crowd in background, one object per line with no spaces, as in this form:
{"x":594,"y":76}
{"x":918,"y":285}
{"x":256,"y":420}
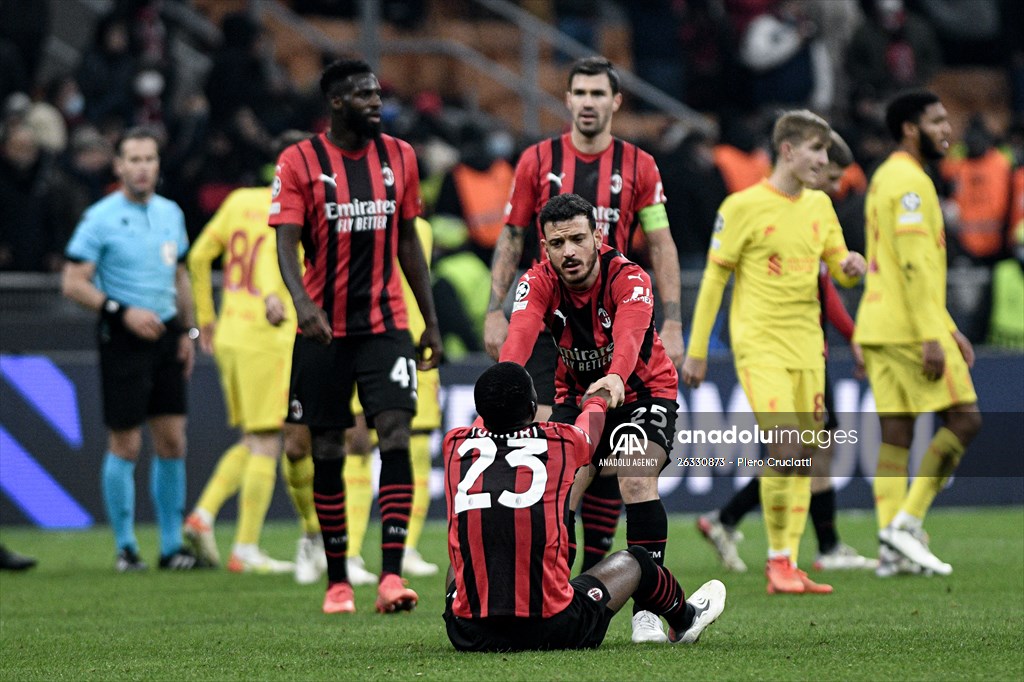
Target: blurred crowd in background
{"x":734,"y":61}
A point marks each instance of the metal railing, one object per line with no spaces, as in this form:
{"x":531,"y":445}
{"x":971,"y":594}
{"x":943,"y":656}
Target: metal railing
{"x":535,"y":34}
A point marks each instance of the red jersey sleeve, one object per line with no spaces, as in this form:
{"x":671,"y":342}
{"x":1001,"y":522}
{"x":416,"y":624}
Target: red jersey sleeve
{"x":582,"y":445}
{"x":411,"y":203}
{"x":835,"y":311}
{"x":534,"y":294}
{"x":289,"y":194}
{"x":522,"y":205}
{"x":589,"y":425}
{"x":649,"y":188}
{"x":634,"y":307}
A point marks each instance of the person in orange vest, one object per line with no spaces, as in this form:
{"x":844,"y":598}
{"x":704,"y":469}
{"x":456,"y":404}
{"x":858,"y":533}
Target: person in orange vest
{"x":477,"y":189}
{"x":981,"y":192}
{"x":741,"y":159}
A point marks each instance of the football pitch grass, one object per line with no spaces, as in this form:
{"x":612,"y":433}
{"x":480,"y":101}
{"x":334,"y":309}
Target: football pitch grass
{"x":73,"y":618}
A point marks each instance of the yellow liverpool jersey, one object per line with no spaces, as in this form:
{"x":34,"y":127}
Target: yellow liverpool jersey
{"x":905,"y":290}
{"x":239,"y":234}
{"x":774,"y":244}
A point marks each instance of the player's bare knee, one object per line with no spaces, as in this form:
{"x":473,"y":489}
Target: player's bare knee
{"x":964,"y":423}
{"x":635,"y":489}
{"x":169,"y":443}
{"x":297,"y":441}
{"x":126,"y":444}
{"x":393,"y":430}
{"x":357,"y":440}
{"x":328,"y":444}
{"x":898,"y":431}
{"x":620,"y":574}
{"x":264,"y":443}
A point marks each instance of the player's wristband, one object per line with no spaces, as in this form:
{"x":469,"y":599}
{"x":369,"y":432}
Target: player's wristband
{"x":113,"y":311}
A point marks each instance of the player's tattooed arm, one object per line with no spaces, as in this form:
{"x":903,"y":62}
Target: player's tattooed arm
{"x":507,"y":252}
{"x":672,"y":311}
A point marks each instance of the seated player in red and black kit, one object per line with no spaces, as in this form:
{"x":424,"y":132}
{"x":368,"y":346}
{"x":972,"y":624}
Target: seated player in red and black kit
{"x":507,"y":483}
{"x":600,"y":310}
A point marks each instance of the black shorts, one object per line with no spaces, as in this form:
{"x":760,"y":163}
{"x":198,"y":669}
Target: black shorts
{"x":541,"y":367}
{"x":581,"y":625}
{"x":382,"y":366}
{"x":656,"y":417}
{"x":829,"y":400}
{"x":140,"y":378}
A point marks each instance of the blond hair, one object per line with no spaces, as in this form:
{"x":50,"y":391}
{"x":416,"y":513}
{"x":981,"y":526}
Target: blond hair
{"x":799,"y":125}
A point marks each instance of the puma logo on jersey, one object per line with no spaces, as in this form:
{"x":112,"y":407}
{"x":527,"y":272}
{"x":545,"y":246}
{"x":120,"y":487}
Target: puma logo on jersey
{"x":636,"y":277}
{"x":557,"y":179}
{"x":330,"y":180}
{"x":561,"y":315}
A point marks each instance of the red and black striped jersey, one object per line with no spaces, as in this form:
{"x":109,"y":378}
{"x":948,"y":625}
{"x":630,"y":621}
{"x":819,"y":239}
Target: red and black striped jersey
{"x":607,"y":329}
{"x":618,"y":182}
{"x":348,"y":205}
{"x":507,"y":497}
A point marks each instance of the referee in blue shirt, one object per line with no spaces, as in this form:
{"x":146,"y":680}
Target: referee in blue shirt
{"x":126,"y":261}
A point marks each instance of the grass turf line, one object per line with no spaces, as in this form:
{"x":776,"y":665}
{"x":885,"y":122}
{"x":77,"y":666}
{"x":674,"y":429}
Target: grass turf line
{"x":72,"y":617}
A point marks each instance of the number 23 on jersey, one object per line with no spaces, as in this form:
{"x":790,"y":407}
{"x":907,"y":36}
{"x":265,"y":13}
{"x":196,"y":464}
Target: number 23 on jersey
{"x":524,"y":454}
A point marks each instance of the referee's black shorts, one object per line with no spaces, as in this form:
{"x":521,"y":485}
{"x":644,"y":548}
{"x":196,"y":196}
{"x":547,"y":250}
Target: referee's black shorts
{"x":140,"y":379}
{"x":581,"y":625}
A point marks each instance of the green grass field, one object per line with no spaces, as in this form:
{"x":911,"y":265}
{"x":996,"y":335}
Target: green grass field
{"x":73,"y":618}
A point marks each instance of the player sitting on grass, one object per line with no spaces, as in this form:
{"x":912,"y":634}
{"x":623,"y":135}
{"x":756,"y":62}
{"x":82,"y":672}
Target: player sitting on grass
{"x":507,"y":481}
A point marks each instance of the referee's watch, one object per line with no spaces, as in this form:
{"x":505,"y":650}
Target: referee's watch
{"x":193,"y":333}
{"x":112,"y":310}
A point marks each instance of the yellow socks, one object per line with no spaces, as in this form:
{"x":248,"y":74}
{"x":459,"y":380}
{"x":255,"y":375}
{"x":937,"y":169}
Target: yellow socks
{"x":358,"y":499}
{"x":419,"y":453}
{"x":226,"y":479}
{"x":257,"y":491}
{"x":890,"y":486}
{"x":799,"y":504}
{"x":941,"y":458}
{"x":298,"y":475}
{"x":775,"y":505}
